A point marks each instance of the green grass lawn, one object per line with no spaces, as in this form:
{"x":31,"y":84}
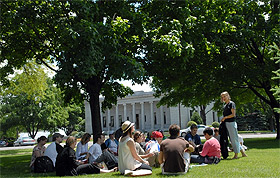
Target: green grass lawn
{"x":263,"y":161}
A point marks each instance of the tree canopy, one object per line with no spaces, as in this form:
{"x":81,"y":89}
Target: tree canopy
{"x":92,"y":43}
{"x":193,"y":49}
{"x":197,"y":49}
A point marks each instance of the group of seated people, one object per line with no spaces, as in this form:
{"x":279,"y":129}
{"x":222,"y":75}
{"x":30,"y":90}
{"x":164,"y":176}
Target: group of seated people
{"x":132,"y":151}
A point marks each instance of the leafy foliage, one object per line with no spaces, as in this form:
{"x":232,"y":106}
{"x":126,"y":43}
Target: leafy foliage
{"x":276,"y":89}
{"x":216,"y":124}
{"x":217,"y":46}
{"x":190,"y":123}
{"x":93,"y":44}
{"x":196,"y":118}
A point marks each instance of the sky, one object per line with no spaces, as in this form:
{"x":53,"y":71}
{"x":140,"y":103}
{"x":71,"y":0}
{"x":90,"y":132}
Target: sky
{"x":145,"y":87}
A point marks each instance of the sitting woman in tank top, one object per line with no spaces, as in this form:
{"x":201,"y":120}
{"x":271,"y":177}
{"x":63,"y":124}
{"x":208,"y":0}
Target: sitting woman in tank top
{"x":128,"y":157}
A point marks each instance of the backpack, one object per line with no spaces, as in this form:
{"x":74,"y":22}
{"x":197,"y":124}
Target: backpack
{"x":43,"y":164}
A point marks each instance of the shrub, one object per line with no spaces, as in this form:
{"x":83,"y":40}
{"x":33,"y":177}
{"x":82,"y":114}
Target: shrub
{"x":216,"y":124}
{"x":196,"y":118}
{"x":191,"y":123}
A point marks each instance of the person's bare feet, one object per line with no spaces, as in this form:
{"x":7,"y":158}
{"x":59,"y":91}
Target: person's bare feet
{"x":244,"y":155}
{"x":235,"y":156}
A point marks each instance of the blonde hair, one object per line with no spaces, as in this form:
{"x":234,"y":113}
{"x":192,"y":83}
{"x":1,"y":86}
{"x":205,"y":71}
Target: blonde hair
{"x":70,"y":140}
{"x":225,"y":93}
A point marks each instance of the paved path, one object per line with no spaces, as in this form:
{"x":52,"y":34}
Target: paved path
{"x":251,"y":135}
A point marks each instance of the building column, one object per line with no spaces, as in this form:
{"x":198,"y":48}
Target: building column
{"x":124,"y":112}
{"x":142,"y":116}
{"x":108,"y":120}
{"x":161,"y":118}
{"x":117,"y":117}
{"x":133,"y":113}
{"x":152,"y":115}
{"x":101,"y":115}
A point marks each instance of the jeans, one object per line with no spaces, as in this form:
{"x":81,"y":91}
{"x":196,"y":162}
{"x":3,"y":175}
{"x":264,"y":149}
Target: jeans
{"x":233,"y":135}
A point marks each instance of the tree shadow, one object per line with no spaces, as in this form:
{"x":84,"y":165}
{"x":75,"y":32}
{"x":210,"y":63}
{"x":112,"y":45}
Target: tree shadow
{"x":262,"y":143}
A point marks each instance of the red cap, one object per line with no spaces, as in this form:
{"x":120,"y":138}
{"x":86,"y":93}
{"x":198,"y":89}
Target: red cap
{"x":156,"y":134}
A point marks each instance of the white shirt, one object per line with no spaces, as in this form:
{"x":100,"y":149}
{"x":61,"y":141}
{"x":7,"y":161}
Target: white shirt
{"x":51,"y":152}
{"x":240,"y":139}
{"x":125,"y":158}
{"x":95,"y":151}
{"x":81,"y":149}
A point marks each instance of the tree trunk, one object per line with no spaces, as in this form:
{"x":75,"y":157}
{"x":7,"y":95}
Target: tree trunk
{"x":203,"y":114}
{"x":95,"y":113}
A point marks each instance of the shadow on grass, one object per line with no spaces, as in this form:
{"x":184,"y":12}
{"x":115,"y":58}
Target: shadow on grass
{"x":18,"y":166}
{"x":13,"y":152}
{"x":262,"y":143}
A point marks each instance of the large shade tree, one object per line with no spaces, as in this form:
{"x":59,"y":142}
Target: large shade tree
{"x":92,"y":43}
{"x":31,"y":102}
{"x":197,"y":49}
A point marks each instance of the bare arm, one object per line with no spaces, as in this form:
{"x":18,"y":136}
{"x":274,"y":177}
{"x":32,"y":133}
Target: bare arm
{"x":37,"y":153}
{"x":147,"y":155}
{"x":160,"y":157}
{"x":131,"y":146}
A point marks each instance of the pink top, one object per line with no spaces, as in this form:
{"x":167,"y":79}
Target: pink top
{"x":211,"y":148}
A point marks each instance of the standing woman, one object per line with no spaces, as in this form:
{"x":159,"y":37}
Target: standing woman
{"x":231,"y":125}
{"x":128,"y":157}
{"x":82,"y":147}
{"x":38,"y":150}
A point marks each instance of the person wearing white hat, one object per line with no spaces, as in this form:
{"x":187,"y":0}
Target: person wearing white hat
{"x":111,"y":143}
{"x":128,"y":157}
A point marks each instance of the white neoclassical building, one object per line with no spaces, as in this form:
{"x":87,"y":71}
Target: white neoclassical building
{"x":141,"y":108}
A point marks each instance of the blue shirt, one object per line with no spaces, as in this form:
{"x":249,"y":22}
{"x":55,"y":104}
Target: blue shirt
{"x":195,"y":139}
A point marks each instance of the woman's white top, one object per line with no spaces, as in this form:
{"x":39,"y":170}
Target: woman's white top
{"x":126,"y":160}
{"x":81,"y":149}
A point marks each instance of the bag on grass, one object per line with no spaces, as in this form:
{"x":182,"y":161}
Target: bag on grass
{"x":43,"y":164}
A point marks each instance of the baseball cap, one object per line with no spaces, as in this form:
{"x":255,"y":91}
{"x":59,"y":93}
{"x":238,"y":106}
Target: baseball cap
{"x":55,"y":135}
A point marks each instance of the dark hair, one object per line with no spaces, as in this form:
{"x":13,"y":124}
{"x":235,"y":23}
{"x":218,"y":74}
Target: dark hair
{"x":136,"y":135}
{"x":85,"y":137}
{"x":42,"y":138}
{"x":216,"y":130}
{"x":208,"y":131}
{"x":103,"y":146}
{"x":194,"y":126}
{"x":174,"y":129}
{"x":96,"y":137}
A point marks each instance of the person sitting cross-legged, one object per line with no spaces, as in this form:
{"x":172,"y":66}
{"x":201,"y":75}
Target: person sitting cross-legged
{"x":211,"y":152}
{"x":154,"y":147}
{"x":174,"y":155}
{"x":54,"y":148}
{"x":112,"y":143}
{"x":95,"y":151}
{"x":82,"y":147}
{"x":128,"y":157}
{"x":194,"y":139}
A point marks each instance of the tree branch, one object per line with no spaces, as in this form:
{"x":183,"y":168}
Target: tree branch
{"x":42,"y":61}
{"x":259,"y":95}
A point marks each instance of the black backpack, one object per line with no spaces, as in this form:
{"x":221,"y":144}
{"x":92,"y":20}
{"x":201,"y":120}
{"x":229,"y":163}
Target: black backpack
{"x":43,"y":164}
